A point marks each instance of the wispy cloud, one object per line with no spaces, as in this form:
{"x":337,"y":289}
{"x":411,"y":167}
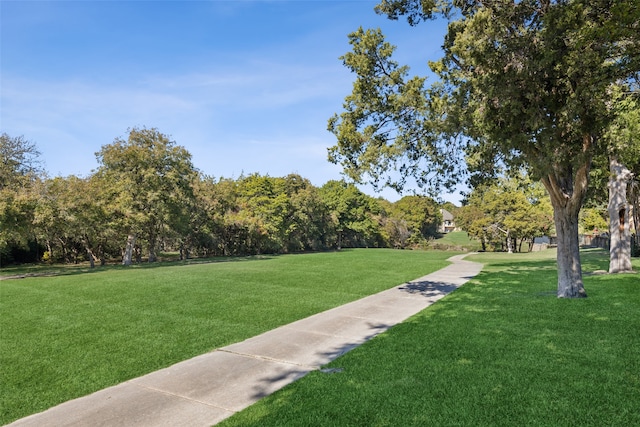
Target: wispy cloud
{"x":226,"y":109}
{"x":244,"y":86}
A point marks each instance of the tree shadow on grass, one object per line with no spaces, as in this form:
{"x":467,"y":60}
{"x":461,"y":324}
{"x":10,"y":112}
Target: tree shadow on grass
{"x":591,"y":259}
{"x":42,"y":270}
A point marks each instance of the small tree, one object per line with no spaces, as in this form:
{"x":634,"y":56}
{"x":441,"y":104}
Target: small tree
{"x":420,"y":215}
{"x":592,"y":219}
{"x":505,"y":211}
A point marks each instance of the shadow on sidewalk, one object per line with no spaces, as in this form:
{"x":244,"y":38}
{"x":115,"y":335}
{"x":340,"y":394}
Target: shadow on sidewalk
{"x":428,"y":288}
{"x":268,"y":384}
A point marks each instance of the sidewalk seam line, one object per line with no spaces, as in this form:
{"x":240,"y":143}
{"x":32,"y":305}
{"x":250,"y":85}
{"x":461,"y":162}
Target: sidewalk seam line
{"x":180,"y":396}
{"x":269,"y":359}
{"x":334,"y":335}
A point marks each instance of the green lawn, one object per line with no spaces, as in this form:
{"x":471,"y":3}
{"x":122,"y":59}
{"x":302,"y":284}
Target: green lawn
{"x":69,"y":335}
{"x":500,"y":351}
{"x":457,"y":239}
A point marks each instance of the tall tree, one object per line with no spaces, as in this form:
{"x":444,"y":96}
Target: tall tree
{"x":352,"y":213}
{"x":51,"y":219}
{"x":522,"y":83}
{"x":308,"y":218}
{"x":20,"y":171}
{"x":151,"y":186}
{"x":471,"y":218}
{"x":623,"y":137}
{"x":19,"y":162}
{"x":263,"y":207}
{"x":615,"y":178}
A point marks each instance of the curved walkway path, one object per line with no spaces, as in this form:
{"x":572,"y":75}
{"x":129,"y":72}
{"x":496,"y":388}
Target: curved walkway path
{"x":209,"y":388}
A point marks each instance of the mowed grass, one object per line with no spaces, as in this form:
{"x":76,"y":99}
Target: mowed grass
{"x":67,"y":336}
{"x":458,"y":239}
{"x":500,"y":351}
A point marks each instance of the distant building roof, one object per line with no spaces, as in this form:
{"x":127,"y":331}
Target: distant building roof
{"x":446,"y":215}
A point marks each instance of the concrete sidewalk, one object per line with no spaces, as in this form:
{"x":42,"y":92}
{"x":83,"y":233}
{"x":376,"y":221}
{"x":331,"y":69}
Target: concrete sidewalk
{"x":209,"y":388}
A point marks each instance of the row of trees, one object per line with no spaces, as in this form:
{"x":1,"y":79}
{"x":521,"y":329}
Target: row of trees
{"x":508,"y":212}
{"x":146,"y":196}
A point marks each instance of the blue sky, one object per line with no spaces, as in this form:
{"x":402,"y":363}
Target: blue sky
{"x":245,"y":86}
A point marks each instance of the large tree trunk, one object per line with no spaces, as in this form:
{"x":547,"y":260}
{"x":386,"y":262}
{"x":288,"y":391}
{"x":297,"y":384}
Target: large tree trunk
{"x":620,"y":246}
{"x":128,"y":250}
{"x":50,"y":250}
{"x":90,"y":254}
{"x":153,"y":255}
{"x":634,"y":199}
{"x":103,"y":260}
{"x":569,"y":267}
{"x":92,"y":259}
{"x":567,"y":192}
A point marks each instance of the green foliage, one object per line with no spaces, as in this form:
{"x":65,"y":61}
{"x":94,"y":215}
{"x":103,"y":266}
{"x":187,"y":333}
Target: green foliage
{"x":19,"y":162}
{"x":500,"y":351}
{"x":522,"y":84}
{"x":73,"y":334}
{"x":20,"y":174}
{"x":16,"y":215}
{"x":385,"y":126}
{"x":622,"y":138}
{"x":146,"y":187}
{"x":86,"y":219}
{"x":508,"y":209}
{"x":594,"y":219}
{"x":280,"y":214}
{"x":456,"y":240}
{"x":624,"y":142}
{"x":71,"y":219}
{"x":353,"y":215}
{"x":421,"y":216}
{"x":511,"y":76}
{"x":150,"y":179}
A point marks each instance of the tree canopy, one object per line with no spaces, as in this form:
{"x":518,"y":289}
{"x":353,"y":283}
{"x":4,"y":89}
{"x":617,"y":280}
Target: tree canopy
{"x":151,"y":180}
{"x":20,"y":168}
{"x":507,"y":211}
{"x":522,"y":84}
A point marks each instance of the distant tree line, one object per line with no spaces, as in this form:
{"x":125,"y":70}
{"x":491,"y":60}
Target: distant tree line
{"x":146,"y":197}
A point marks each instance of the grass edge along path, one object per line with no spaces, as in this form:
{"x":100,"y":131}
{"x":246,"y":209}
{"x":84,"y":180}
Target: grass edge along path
{"x":67,"y":336}
{"x":502,"y":350}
